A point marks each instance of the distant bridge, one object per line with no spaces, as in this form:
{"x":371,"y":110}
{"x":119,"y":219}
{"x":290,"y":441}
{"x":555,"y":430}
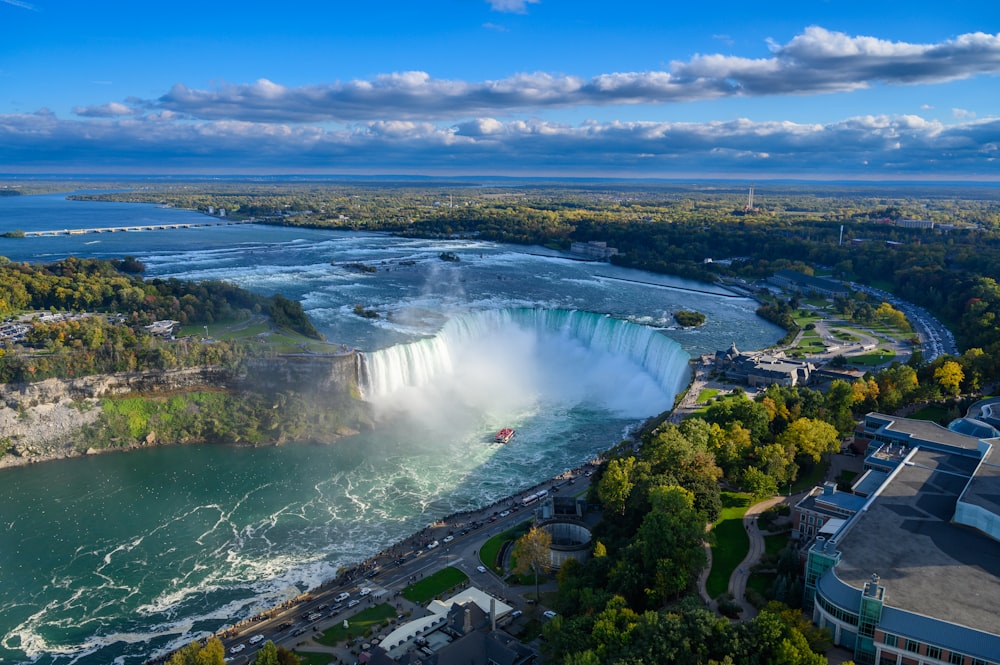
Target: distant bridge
{"x":126,"y":229}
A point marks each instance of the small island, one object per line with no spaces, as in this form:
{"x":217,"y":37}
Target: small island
{"x":689,"y":319}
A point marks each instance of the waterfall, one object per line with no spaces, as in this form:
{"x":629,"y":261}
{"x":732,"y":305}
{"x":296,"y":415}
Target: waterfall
{"x":416,"y":363}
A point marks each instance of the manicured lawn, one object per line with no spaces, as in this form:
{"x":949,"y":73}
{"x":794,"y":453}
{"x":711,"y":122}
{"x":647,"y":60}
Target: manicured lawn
{"x":731,"y":542}
{"x":810,"y":479}
{"x":761,"y":583}
{"x":313,"y":658}
{"x":774,"y":544}
{"x":431,"y":587}
{"x":874,"y":358}
{"x":490,"y":550}
{"x":706,"y":394}
{"x":935,"y":414}
{"x":357,"y":625}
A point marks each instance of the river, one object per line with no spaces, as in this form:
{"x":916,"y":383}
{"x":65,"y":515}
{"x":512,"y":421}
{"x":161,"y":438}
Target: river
{"x":115,"y":558}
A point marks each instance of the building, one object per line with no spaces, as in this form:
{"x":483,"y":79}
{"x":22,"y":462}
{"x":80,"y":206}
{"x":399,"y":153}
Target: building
{"x":461,"y":630}
{"x":913,"y":575}
{"x":759,"y":369}
{"x":915,"y":223}
{"x":594,"y":249}
{"x":793,"y":280}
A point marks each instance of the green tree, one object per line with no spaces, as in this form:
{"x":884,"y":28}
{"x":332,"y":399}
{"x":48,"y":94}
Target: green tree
{"x":810,"y":438}
{"x":616,"y":484}
{"x":758,"y":483}
{"x":268,"y":655}
{"x":531,"y":554}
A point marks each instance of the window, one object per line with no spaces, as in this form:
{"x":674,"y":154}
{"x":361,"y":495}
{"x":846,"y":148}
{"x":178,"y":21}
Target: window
{"x":934,"y":652}
{"x":978,"y":661}
{"x":890,"y":640}
{"x":955,"y":658}
{"x":912,"y":645}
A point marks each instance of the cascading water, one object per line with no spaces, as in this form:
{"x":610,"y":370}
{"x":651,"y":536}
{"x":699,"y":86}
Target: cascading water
{"x":597,"y":340}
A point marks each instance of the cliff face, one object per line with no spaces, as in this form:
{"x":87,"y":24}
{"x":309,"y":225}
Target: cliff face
{"x":53,"y":391}
{"x":321,"y":375}
{"x":41,"y":421}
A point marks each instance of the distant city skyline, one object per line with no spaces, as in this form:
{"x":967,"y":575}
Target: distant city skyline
{"x":811,"y":90}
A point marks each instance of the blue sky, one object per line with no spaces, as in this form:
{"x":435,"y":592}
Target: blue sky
{"x":879,"y":89}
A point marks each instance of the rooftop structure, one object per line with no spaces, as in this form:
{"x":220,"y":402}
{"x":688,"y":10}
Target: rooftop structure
{"x":594,"y":249}
{"x":795,"y":280}
{"x":759,"y":369}
{"x":914,"y":574}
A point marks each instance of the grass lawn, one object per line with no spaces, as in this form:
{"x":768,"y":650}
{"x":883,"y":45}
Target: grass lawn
{"x":935,"y":414}
{"x":761,"y":583}
{"x":490,"y":550}
{"x":706,"y":394}
{"x":810,"y":479}
{"x":774,"y":544}
{"x":364,"y":621}
{"x":313,"y":658}
{"x":431,"y":587}
{"x":731,"y":542}
{"x":872,"y":359}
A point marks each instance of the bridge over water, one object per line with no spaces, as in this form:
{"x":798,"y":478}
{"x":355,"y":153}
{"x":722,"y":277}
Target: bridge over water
{"x":126,"y":229}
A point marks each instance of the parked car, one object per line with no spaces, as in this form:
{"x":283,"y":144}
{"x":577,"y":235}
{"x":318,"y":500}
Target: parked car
{"x":364,"y":592}
{"x":354,"y":603}
{"x":481,"y":569}
{"x":549,"y":614}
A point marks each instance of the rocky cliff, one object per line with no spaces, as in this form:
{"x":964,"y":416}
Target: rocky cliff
{"x":42,"y":420}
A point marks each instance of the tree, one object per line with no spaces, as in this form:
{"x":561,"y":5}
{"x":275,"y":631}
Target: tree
{"x":268,"y":654}
{"x":810,"y":438}
{"x":758,"y":483}
{"x":949,"y":376}
{"x":616,"y":484}
{"x":213,"y":653}
{"x":531,"y":553}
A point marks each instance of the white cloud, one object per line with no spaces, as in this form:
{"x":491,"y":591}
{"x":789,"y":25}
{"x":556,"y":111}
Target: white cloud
{"x":900,"y":146}
{"x":109,"y":110}
{"x":511,"y":6}
{"x":815,"y":62}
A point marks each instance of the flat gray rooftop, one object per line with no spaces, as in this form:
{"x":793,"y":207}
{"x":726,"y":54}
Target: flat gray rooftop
{"x":924,"y":430}
{"x":927,"y":564}
{"x":984,"y":490}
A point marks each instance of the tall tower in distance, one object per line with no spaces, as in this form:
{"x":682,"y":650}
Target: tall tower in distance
{"x":749,"y":209}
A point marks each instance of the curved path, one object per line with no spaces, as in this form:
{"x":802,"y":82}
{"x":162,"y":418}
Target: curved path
{"x":738,"y":580}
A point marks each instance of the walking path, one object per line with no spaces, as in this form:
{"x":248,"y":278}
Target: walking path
{"x":738,"y":580}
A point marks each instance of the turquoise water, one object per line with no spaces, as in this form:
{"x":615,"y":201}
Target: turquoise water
{"x":117,"y":557}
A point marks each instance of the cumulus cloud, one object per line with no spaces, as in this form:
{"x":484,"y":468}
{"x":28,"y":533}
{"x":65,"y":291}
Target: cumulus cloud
{"x":109,"y":110}
{"x":814,"y":62}
{"x":511,"y":6}
{"x":897,"y":146}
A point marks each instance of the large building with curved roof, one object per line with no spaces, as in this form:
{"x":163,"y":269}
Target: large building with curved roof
{"x":913,"y":577}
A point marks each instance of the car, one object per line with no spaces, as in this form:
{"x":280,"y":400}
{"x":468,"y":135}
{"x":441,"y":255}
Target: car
{"x":354,"y":603}
{"x":364,"y":592}
{"x":549,"y":614}
{"x":481,"y":569}
{"x":515,"y":614}
{"x":448,"y":539}
{"x":433,"y":544}
{"x":256,"y":639}
{"x":285,"y":626}
{"x":313,"y":616}
{"x":298,"y":631}
{"x":322,"y":607}
{"x":341,"y":597}
{"x":505,"y":513}
{"x":238,"y":648}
